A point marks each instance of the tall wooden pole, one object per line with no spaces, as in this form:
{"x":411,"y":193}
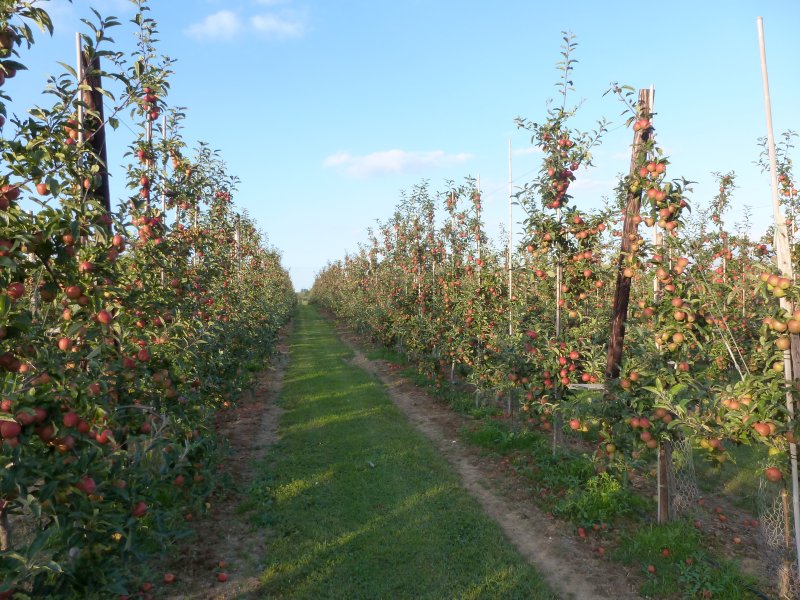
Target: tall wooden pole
{"x":478,"y":232}
{"x":510,"y":244}
{"x":79,"y":62}
{"x":633,"y":204}
{"x":559,"y":279}
{"x":784,"y":259}
{"x":163,"y":183}
{"x":93,"y":99}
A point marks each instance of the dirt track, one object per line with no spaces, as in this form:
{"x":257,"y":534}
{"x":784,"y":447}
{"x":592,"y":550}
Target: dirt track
{"x":571,"y":570}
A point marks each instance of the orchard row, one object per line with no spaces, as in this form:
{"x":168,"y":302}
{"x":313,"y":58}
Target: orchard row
{"x":592,"y":322}
{"x":122,"y":332}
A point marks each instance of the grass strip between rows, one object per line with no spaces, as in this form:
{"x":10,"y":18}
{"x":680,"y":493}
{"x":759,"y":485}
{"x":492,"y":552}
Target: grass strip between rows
{"x":361,"y":504}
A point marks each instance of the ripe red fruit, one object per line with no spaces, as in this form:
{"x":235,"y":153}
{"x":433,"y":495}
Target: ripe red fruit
{"x":222,"y":577}
{"x":9,"y":429}
{"x":86,"y":267}
{"x":139,"y":509}
{"x":64,"y":344}
{"x":651,"y":569}
{"x":9,"y":192}
{"x":169,"y":578}
{"x":87,"y":485}
{"x":102,"y":437}
{"x":773,"y":474}
{"x":104,"y":317}
{"x":46,"y":433}
{"x":73,"y":292}
{"x":71,"y":419}
{"x":15,"y":290}
{"x":762,"y":428}
{"x":41,"y":189}
{"x":143,"y":355}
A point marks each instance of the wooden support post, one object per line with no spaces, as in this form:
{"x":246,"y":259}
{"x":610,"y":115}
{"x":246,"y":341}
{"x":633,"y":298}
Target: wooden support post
{"x":5,"y":528}
{"x":622,"y":294}
{"x":784,"y":260}
{"x":557,"y":421}
{"x":93,"y":98}
{"x":510,"y":245}
{"x":79,"y":62}
{"x":664,"y":469}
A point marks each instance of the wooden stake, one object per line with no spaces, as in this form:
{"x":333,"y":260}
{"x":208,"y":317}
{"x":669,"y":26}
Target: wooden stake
{"x":80,"y":78}
{"x":510,"y":244}
{"x":622,"y":294}
{"x":559,"y":278}
{"x":5,"y":528}
{"x":478,"y":233}
{"x":93,"y":99}
{"x":163,"y":183}
{"x":784,"y":261}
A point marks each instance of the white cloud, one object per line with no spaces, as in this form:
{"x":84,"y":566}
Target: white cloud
{"x":286,"y":25}
{"x":224,"y":25}
{"x":391,"y":162}
{"x":274,"y":25}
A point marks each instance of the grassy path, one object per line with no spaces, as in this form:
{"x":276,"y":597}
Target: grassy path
{"x":360,"y":504}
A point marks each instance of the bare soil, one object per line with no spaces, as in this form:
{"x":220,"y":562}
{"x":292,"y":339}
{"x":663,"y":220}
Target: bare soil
{"x":223,"y":534}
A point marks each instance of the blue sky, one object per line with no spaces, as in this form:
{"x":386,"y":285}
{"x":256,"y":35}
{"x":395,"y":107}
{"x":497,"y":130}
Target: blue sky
{"x":327,"y":110}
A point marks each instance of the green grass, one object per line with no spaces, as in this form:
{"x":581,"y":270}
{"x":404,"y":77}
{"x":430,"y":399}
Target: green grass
{"x":685,"y":568}
{"x":572,"y":488}
{"x":360,"y":504}
{"x":737,"y":478}
{"x":575,"y":493}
